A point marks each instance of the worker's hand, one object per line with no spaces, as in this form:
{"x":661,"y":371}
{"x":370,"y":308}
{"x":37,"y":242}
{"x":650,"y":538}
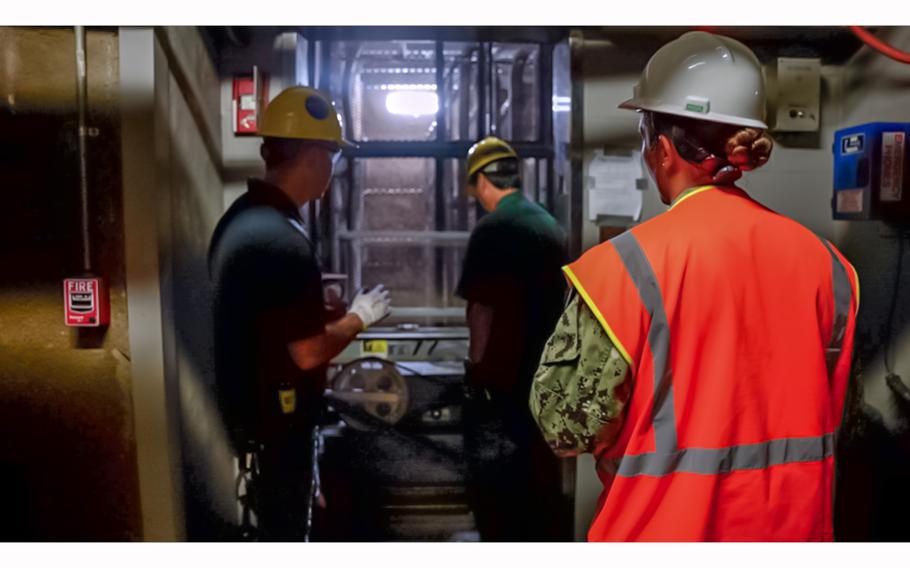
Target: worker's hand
{"x":371,"y":306}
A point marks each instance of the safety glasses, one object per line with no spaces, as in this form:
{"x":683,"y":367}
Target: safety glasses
{"x":334,"y":152}
{"x":336,"y":155}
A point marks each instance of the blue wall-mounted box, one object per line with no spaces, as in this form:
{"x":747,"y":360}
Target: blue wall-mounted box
{"x":870,"y":172}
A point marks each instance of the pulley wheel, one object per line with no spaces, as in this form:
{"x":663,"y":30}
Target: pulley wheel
{"x":373,"y":385}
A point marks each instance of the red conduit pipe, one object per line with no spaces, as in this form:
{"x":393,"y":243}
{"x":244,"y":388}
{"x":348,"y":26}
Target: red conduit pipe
{"x":880,"y":46}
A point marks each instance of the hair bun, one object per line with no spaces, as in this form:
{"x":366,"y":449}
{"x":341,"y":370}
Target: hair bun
{"x":749,"y":148}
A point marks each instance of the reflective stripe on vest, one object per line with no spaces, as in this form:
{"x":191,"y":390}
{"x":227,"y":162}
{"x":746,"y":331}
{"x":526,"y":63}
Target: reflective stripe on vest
{"x":642,"y":274}
{"x":667,"y":457}
{"x":842,"y":295}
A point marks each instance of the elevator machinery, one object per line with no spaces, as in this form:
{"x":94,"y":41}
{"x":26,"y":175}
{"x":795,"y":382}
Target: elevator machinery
{"x":397,"y":214}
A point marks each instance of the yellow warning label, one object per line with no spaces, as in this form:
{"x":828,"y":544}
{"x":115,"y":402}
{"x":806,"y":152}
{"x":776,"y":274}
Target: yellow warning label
{"x":288,"y":399}
{"x":375,"y":347}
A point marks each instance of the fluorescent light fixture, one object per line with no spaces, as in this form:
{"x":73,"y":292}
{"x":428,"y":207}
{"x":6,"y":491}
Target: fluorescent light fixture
{"x":412,"y":103}
{"x":408,"y":87}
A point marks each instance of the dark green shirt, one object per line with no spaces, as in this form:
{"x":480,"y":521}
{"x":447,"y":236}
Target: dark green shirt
{"x":513,"y":265}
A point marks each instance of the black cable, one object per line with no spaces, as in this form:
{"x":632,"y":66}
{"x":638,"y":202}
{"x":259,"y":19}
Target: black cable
{"x":898,"y":387}
{"x":381,"y":426}
{"x":892,"y":379}
{"x":894,"y":293}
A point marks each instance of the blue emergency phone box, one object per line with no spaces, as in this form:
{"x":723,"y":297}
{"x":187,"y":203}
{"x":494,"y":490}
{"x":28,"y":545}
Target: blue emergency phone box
{"x":870,"y":172}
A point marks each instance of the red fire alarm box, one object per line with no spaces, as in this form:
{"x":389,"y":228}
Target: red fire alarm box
{"x":249,"y":93}
{"x":86,"y":302}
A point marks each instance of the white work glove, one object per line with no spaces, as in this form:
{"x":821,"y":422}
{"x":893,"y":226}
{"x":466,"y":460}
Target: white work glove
{"x":371,"y":306}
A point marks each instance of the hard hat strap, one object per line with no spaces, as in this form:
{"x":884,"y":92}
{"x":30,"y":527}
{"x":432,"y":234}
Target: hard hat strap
{"x":690,"y":149}
{"x":721,"y":171}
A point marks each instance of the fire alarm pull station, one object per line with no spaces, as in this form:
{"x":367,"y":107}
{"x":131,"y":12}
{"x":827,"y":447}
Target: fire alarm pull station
{"x":249,"y":93}
{"x":86,"y":302}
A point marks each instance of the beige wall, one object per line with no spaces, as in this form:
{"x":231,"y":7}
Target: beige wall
{"x":873,"y":496}
{"x":196,"y":206}
{"x":99,"y":430}
{"x":67,"y":446}
{"x":878,"y":89}
{"x":187,"y":470}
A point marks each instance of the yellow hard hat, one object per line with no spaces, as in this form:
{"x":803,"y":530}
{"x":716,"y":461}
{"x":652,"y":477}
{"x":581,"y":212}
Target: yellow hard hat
{"x":488,"y":151}
{"x":302,"y":113}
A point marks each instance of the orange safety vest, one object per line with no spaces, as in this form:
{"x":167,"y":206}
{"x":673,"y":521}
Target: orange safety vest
{"x":737,"y":324}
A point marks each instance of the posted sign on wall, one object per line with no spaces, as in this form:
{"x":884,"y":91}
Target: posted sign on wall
{"x":892,"y":180}
{"x":86,"y":302}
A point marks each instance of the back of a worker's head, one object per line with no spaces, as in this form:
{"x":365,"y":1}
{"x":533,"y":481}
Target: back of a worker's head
{"x":721,"y":151}
{"x":298,"y":120}
{"x":496,"y":162}
{"x":302,"y":138}
{"x":281,"y":152}
{"x":502,"y":174}
{"x":705,"y":94}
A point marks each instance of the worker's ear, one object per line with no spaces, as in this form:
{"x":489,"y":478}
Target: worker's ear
{"x":471,"y":189}
{"x":483,"y":185}
{"x":666,"y":157}
{"x":264,"y":152}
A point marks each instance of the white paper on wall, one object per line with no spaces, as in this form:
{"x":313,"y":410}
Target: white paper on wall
{"x":612,"y":186}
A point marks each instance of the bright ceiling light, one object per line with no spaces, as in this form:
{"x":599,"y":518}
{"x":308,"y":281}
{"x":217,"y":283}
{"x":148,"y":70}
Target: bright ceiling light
{"x":412,"y":103}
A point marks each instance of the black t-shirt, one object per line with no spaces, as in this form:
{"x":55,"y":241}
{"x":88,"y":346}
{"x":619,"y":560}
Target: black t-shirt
{"x":268,"y":293}
{"x":513,"y":264}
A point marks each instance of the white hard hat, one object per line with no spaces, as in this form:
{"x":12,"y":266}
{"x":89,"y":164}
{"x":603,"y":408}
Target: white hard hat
{"x":703,"y":76}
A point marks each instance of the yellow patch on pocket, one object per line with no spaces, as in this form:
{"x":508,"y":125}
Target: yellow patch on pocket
{"x":288,"y":399}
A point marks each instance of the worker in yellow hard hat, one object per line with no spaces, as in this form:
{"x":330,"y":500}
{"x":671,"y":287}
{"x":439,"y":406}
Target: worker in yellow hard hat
{"x":512,"y":282}
{"x":273,"y":340}
{"x":484,"y":153}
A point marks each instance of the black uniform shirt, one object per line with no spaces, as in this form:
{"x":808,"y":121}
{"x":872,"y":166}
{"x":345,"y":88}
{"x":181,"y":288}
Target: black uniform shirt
{"x":268,"y":292}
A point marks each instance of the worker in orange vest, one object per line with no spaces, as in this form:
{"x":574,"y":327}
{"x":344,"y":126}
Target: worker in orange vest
{"x":704,"y":355}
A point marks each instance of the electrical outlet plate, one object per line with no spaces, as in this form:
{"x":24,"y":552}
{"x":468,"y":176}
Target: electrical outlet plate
{"x":798,"y":94}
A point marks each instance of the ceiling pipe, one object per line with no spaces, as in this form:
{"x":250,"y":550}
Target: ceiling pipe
{"x":81,"y":104}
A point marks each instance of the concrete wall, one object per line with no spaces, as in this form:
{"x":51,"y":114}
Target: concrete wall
{"x":876,"y":461}
{"x":172,"y":161}
{"x":196,"y":206}
{"x":111,"y":435}
{"x":67,"y":446}
{"x":878,"y":89}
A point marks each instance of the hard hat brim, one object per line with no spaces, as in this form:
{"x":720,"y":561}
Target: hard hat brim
{"x":342,"y":143}
{"x":639,"y":105}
